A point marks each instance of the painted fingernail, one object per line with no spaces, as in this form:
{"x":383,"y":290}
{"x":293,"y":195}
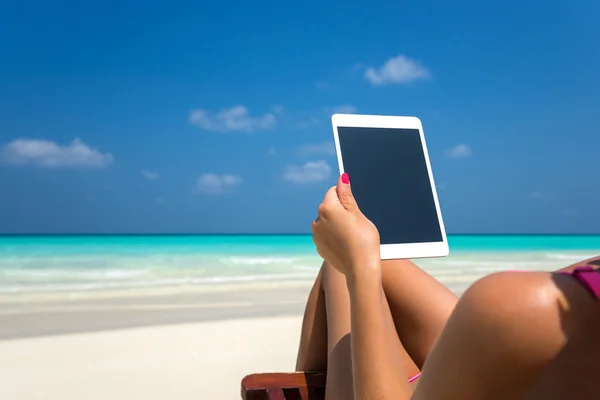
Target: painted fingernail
{"x":345,"y":178}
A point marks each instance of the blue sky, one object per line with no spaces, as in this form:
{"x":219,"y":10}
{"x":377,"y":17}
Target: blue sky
{"x":214,"y":117}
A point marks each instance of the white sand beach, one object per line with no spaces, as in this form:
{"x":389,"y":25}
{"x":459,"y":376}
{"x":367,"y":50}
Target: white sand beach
{"x":148,"y":347}
{"x":204,"y":360}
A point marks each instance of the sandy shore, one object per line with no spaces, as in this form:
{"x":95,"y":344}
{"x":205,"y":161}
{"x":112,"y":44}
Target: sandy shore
{"x":204,"y":360}
{"x":180,"y":345}
{"x":164,"y":344}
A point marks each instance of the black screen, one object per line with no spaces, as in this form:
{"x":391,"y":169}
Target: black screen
{"x":390,"y":182}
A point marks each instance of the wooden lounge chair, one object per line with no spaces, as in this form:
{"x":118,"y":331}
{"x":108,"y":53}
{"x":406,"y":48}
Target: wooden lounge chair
{"x":284,"y":386}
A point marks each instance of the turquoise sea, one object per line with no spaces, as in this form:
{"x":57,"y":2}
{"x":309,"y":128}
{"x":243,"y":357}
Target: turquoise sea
{"x":92,"y":263}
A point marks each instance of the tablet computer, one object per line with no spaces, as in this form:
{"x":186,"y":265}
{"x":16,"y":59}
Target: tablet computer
{"x":390,"y":173}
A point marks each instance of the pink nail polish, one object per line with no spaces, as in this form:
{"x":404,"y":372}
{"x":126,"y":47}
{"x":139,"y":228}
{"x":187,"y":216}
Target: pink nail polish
{"x":345,"y":178}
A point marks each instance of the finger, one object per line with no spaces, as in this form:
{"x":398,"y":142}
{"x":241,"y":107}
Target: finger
{"x":313,"y":228}
{"x":329,"y":204}
{"x":344,"y":193}
{"x":331,"y":196}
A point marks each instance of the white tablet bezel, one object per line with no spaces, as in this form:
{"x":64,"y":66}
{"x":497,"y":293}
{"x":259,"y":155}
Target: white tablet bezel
{"x":404,"y":250}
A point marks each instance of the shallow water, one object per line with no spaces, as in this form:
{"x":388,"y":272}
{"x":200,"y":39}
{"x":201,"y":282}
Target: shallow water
{"x":91,"y":263}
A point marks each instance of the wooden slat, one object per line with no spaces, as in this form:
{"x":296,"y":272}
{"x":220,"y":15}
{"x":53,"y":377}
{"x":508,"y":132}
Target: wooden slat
{"x":306,"y":393}
{"x":305,"y":382}
{"x":275,"y":394}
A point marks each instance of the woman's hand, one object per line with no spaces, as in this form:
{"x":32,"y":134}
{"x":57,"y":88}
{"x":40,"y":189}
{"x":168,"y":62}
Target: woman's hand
{"x":344,"y":237}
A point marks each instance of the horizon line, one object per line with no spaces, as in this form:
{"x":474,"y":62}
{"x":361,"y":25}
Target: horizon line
{"x":271,"y":234}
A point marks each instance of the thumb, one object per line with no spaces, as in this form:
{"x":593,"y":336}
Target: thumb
{"x":344,"y":193}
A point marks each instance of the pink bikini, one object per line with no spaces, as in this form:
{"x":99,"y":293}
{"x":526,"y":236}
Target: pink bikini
{"x":585,"y":274}
{"x":588,"y":277}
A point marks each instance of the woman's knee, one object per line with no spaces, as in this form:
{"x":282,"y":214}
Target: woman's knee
{"x":531,"y":292}
{"x":513,"y":294}
{"x":533,"y":311}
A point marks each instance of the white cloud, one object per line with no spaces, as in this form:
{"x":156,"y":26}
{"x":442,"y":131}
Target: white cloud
{"x":48,"y":154}
{"x":272,"y":151}
{"x":327,"y":148}
{"x":232,"y":119}
{"x":399,"y":70}
{"x":344,"y":109}
{"x":215,"y":183}
{"x":311,"y":172}
{"x":459,"y":151}
{"x":150,"y":174}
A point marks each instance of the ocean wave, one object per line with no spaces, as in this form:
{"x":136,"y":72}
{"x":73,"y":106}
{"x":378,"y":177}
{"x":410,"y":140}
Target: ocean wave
{"x":313,"y":267}
{"x":573,"y":257}
{"x":512,"y":260}
{"x":258,"y":260}
{"x":26,"y":274}
{"x":7,"y":288}
{"x":481,"y":264}
{"x":109,"y":271}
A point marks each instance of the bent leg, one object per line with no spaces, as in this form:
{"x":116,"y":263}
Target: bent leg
{"x":312,"y":352}
{"x":420,"y":306}
{"x":504,"y":331}
{"x":574,"y":371}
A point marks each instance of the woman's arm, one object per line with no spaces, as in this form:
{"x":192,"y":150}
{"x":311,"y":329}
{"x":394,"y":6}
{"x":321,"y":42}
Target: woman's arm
{"x":347,"y":240}
{"x":377,"y":365}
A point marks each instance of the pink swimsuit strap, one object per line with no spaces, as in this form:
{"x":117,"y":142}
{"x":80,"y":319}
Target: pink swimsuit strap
{"x":588,"y":277}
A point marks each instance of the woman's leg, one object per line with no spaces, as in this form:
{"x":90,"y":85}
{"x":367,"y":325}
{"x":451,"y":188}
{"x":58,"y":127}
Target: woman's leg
{"x":312,"y":354}
{"x":419,"y":304}
{"x":420,"y":308}
{"x":504,"y":331}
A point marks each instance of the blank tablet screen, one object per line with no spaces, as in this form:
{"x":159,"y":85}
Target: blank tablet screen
{"x":390,"y":182}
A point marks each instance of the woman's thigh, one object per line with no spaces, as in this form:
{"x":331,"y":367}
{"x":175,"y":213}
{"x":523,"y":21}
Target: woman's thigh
{"x":420,"y":306}
{"x":504,"y":331}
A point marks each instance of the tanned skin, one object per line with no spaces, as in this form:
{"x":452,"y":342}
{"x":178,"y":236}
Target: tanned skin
{"x":371,"y":324}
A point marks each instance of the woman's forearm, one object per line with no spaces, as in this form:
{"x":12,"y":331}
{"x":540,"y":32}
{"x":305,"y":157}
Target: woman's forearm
{"x":377,"y":365}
